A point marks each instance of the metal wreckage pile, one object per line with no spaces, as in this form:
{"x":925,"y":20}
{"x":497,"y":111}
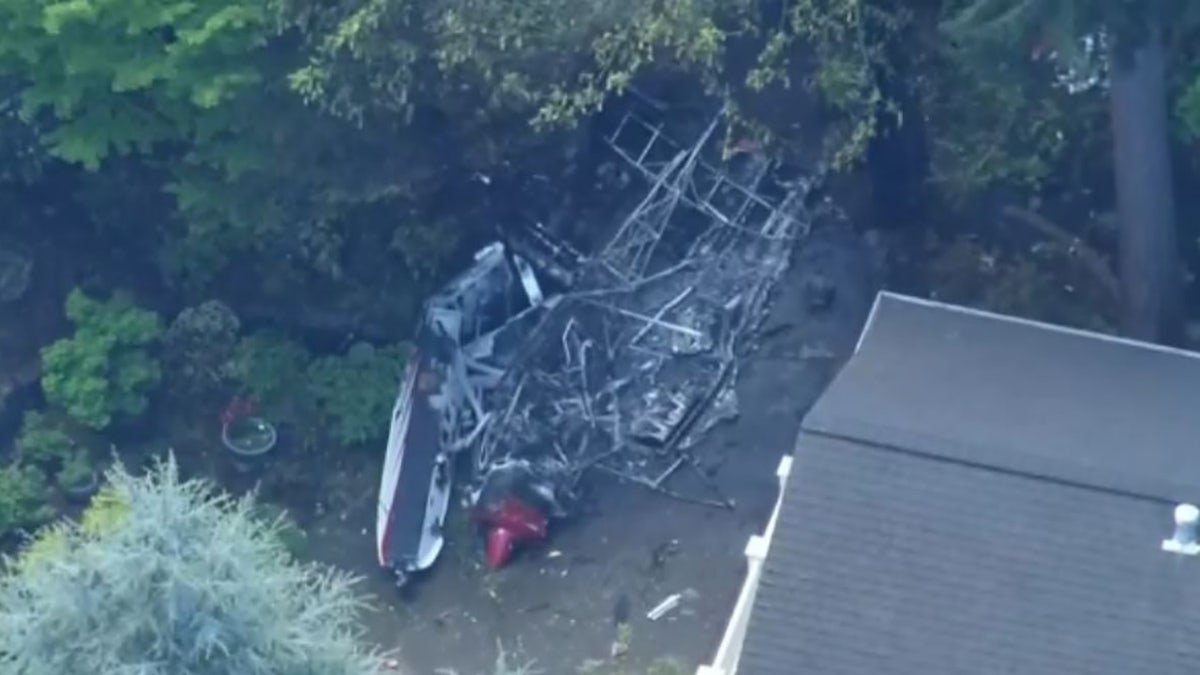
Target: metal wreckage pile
{"x":621,"y":370}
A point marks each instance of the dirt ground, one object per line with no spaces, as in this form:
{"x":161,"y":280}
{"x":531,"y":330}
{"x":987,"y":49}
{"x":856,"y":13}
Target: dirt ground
{"x":559,"y":603}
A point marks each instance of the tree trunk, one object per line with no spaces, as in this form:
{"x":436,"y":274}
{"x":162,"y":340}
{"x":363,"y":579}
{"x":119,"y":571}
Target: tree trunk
{"x":1151,"y":283}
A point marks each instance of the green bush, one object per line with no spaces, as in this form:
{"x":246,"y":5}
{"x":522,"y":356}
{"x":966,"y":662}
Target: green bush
{"x":77,"y":470}
{"x":352,"y":393}
{"x":107,"y":510}
{"x":184,"y":579}
{"x":356,"y":391}
{"x":41,"y":441}
{"x":105,"y":369}
{"x":22,"y":499}
{"x":271,"y":367}
{"x":199,"y":349}
{"x":1187,"y":110}
{"x":293,"y":537}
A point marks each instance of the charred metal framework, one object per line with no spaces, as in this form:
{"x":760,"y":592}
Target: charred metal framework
{"x":624,"y":369}
{"x":640,"y":356}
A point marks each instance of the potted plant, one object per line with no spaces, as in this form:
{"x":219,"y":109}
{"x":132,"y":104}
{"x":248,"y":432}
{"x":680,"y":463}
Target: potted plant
{"x":79,"y":478}
{"x":245,"y":435}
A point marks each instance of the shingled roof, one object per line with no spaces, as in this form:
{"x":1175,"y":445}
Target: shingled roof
{"x":980,"y":494}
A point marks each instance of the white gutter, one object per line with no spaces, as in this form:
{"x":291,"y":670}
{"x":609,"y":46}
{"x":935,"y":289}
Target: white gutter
{"x":730,"y":651}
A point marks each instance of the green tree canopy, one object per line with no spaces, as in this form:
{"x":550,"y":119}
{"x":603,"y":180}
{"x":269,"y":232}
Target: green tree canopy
{"x":550,"y":58}
{"x":126,"y":76}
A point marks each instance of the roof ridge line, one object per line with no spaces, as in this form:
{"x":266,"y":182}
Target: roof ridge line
{"x":993,"y":468}
{"x":1033,"y":323}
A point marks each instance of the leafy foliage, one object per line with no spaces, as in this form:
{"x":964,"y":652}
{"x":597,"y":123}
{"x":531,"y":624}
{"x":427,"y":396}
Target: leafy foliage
{"x":22,"y":156}
{"x":1055,"y":24}
{"x":848,"y":40}
{"x":23,"y":503}
{"x":105,"y":368}
{"x":271,"y":367}
{"x":1009,"y":125}
{"x":1188,"y":110}
{"x":198,"y":90}
{"x":488,"y":65}
{"x":291,"y":536}
{"x":122,"y":76}
{"x":78,"y":470}
{"x":1005,"y":100}
{"x":186,"y":581}
{"x":356,"y":391}
{"x":403,"y":55}
{"x":287,"y":193}
{"x":199,"y":347}
{"x":1072,"y":37}
{"x":41,"y":441}
{"x":350,"y":395}
{"x":107,"y":510}
{"x":1042,"y":282}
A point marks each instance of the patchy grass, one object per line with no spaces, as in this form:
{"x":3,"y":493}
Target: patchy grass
{"x":663,"y":666}
{"x":507,"y":663}
{"x":515,"y":663}
{"x":616,"y":664}
{"x":666,"y":666}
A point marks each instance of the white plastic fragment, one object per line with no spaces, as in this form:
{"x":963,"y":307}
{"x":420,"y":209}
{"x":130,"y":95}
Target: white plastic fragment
{"x":663,"y":608}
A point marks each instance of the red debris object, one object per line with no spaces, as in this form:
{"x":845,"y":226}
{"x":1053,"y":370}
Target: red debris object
{"x":238,"y":407}
{"x":510,"y":522}
{"x":499,"y":546}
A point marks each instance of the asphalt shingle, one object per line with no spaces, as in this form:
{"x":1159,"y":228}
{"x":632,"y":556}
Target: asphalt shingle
{"x":921,"y":534}
{"x":1017,"y":396}
{"x":885,"y":563}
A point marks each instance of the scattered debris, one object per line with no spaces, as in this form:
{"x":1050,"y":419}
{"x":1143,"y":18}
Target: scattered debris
{"x":619,"y":365}
{"x":638,"y":359}
{"x":662,"y":553}
{"x":670,"y":604}
{"x":661,"y":609}
{"x":510,"y":521}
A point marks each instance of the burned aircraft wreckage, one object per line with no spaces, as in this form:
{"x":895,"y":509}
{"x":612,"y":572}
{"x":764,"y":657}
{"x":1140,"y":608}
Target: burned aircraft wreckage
{"x":542,"y":364}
